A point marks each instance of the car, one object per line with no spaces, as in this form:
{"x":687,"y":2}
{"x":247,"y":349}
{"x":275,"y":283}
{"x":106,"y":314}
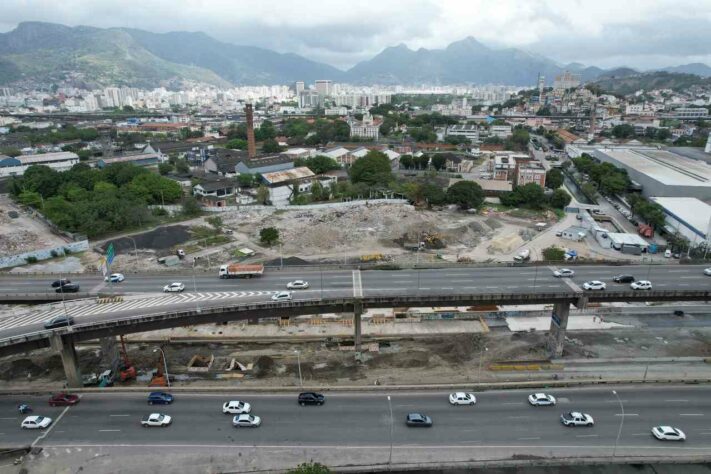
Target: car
{"x":63,"y":400}
{"x":68,"y":288}
{"x":594,"y":285}
{"x":575,"y":418}
{"x":282,"y":296}
{"x":115,"y":278}
{"x":236,"y":407}
{"x":579,"y":217}
{"x":563,"y":272}
{"x":36,"y":422}
{"x":559,"y":233}
{"x":668,"y":433}
{"x":61,"y":282}
{"x":418,"y":419}
{"x":541,"y":399}
{"x":59,"y":322}
{"x":641,"y":285}
{"x":623,"y":279}
{"x":156,"y":419}
{"x":246,"y":421}
{"x":462,"y":398}
{"x":176,"y":287}
{"x":679,"y":313}
{"x":667,"y":253}
{"x":707,"y":271}
{"x":297,"y":285}
{"x":160,"y":398}
{"x":311,"y":398}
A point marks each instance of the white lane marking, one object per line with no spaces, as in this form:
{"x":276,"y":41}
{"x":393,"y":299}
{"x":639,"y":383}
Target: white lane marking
{"x":640,"y":434}
{"x":423,"y":288}
{"x":627,"y":414}
{"x":691,"y":414}
{"x":447,"y":288}
{"x":705,"y":434}
{"x":672,"y":401}
{"x":521,"y":417}
{"x":513,"y":403}
{"x":10,"y":418}
{"x":586,"y":436}
{"x":532,"y":438}
{"x":357,"y":284}
{"x":108,"y":431}
{"x":119,"y":415}
{"x":49,"y":430}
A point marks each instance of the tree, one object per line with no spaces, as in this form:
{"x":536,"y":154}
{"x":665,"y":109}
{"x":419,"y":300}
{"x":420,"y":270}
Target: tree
{"x":559,"y":199}
{"x":271,"y":146}
{"x":30,"y":198}
{"x":269,"y":236}
{"x":317,"y":191}
{"x":191,"y":207}
{"x":236,"y":144}
{"x":310,"y":468}
{"x":439,"y":162}
{"x":433,"y":195}
{"x":215,"y":222}
{"x":266,"y":131}
{"x":553,"y":254}
{"x":165,"y":168}
{"x":182,"y":167}
{"x":246,"y":180}
{"x":406,"y":161}
{"x":421,"y":162}
{"x":262,"y":194}
{"x":318,"y":164}
{"x":623,"y":131}
{"x":531,"y":195}
{"x":554,"y":179}
{"x":373,"y":168}
{"x":466,"y":194}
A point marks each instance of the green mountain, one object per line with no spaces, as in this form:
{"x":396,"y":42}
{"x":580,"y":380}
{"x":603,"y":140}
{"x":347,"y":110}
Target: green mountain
{"x":630,"y":82}
{"x":47,"y":53}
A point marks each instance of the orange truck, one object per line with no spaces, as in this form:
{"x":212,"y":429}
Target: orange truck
{"x":645,"y":230}
{"x":240,"y":270}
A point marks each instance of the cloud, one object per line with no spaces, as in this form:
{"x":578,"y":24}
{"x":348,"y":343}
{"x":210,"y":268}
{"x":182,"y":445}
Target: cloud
{"x":342,"y":32}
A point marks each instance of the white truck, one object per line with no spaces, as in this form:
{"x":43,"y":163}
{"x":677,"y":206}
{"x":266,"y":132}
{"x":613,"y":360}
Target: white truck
{"x":240,"y":270}
{"x":523,"y":256}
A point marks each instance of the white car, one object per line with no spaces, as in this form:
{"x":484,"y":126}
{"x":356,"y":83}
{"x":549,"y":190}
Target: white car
{"x":248,"y":421}
{"x":641,"y":285}
{"x":707,"y":271}
{"x":575,"y":418}
{"x":297,"y":285}
{"x":541,"y":399}
{"x":176,"y":287}
{"x":36,"y":422}
{"x":594,"y":285}
{"x":236,"y":407}
{"x":563,"y":272}
{"x":282,"y":296}
{"x":668,"y":433}
{"x":156,"y":419}
{"x":461,"y":398}
{"x":115,"y":278}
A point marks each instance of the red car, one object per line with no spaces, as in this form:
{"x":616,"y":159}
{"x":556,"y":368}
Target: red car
{"x":63,"y":399}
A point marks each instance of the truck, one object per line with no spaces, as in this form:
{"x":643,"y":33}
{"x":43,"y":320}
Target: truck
{"x":523,"y":256}
{"x":240,"y":270}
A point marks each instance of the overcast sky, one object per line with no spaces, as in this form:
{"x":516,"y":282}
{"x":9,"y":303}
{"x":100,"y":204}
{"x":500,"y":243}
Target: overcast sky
{"x":606,"y":33}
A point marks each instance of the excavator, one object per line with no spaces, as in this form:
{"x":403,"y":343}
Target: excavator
{"x":126,"y":371}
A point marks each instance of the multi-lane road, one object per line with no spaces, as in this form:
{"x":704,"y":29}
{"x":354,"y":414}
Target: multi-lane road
{"x":143,"y":292}
{"x":502,"y":424}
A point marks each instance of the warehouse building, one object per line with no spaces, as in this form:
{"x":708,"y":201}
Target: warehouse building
{"x":689,"y":217}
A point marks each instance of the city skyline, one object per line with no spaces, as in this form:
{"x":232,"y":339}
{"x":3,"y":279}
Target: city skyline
{"x":601,"y":35}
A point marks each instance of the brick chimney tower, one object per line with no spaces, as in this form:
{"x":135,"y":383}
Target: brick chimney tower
{"x":251,"y":146}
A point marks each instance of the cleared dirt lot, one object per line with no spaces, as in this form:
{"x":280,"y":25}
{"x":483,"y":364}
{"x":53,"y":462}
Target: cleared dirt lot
{"x":23,"y":233}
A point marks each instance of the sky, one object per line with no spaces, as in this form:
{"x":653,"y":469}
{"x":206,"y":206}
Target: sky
{"x":643,"y":34}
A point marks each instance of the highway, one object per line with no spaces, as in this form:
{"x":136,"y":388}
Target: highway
{"x":143,"y":292}
{"x":501,"y":424}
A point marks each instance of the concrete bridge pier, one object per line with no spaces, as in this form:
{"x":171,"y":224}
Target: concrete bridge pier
{"x":559,"y":326}
{"x":357,"y":320}
{"x":65,"y":346}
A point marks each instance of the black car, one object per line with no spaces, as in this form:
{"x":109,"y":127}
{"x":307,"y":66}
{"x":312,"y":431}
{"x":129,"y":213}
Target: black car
{"x":59,"y":322}
{"x":68,"y":288}
{"x":62,"y":282}
{"x":418,"y":419}
{"x":311,"y":398}
{"x":623,"y":279}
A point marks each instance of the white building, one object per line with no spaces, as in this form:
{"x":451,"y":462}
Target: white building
{"x":60,"y":161}
{"x":690,"y":217}
{"x":501,"y":131}
{"x":470,"y":132}
{"x":368,"y":128}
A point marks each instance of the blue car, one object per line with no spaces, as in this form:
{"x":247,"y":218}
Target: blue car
{"x":160,"y":398}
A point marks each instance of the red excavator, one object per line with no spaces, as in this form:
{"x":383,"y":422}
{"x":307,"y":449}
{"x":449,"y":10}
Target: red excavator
{"x":126,"y":371}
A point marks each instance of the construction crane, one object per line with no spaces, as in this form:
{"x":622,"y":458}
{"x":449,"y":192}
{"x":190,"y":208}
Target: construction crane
{"x":127,"y":371}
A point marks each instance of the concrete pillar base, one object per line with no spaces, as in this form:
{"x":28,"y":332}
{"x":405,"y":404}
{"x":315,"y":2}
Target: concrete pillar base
{"x":559,"y":326}
{"x":65,"y":346}
{"x":357,"y":313}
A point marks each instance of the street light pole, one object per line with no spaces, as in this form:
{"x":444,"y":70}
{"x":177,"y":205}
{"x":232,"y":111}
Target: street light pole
{"x":622,"y":421}
{"x":197,"y":305}
{"x":165,"y":364}
{"x":135,"y":248}
{"x":298,"y":360}
{"x":481,"y":359}
{"x":390,"y":457}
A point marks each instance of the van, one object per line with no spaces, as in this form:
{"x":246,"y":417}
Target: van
{"x":667,"y":253}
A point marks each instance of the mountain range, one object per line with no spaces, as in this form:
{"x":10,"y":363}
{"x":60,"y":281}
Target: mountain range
{"x":48,"y":53}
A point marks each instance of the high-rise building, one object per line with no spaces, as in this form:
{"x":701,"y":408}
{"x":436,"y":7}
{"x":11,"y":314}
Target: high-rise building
{"x":324,"y":87}
{"x":566,"y":81}
{"x":541,"y":86}
{"x":299,"y":87}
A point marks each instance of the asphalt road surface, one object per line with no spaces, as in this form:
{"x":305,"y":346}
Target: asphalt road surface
{"x":501,"y":421}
